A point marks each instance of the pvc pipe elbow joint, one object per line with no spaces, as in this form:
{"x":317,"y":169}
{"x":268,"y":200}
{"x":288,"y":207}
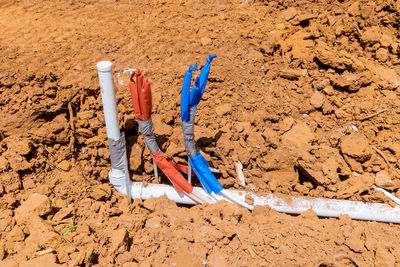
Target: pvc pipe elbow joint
{"x":118,"y":180}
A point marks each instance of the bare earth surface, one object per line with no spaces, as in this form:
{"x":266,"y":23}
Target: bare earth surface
{"x":304,"y":94}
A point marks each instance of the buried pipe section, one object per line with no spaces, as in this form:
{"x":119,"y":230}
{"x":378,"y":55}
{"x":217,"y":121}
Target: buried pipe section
{"x":119,"y":176}
{"x":292,"y":205}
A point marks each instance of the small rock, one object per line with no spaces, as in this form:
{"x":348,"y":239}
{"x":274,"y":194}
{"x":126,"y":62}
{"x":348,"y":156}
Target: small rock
{"x":36,"y":204}
{"x":376,"y":168}
{"x":205,"y":41}
{"x":355,"y":242}
{"x":287,"y":124}
{"x":64,"y":165}
{"x":312,"y":171}
{"x":383,"y":257}
{"x":77,"y":258}
{"x":309,"y":215}
{"x":4,"y":165}
{"x":317,"y":100}
{"x":269,"y":44}
{"x":223,"y":109}
{"x":41,"y":233}
{"x":289,"y":13}
{"x":85,"y":132}
{"x":291,"y":73}
{"x":239,"y":127}
{"x":18,"y":162}
{"x":355,"y":146}
{"x":382,"y":54}
{"x":16,"y":234}
{"x":321,"y":84}
{"x":19,"y":146}
{"x":136,"y":159}
{"x":300,"y":135}
{"x":9,"y":200}
{"x":148,"y":167}
{"x":86,"y":115}
{"x":385,"y":40}
{"x":216,"y":259}
{"x":160,"y":127}
{"x":48,"y":260}
{"x":62,"y":214}
{"x":243,"y":154}
{"x":159,"y":204}
{"x":24,"y":146}
{"x":119,"y":240}
{"x":384,"y":180}
{"x":11,"y":181}
{"x":355,"y":166}
{"x":101,"y":192}
{"x":371,"y":35}
{"x":351,"y":81}
{"x":354,"y":9}
{"x":255,"y":139}
{"x":329,"y":90}
{"x":388,"y":77}
{"x":271,"y":137}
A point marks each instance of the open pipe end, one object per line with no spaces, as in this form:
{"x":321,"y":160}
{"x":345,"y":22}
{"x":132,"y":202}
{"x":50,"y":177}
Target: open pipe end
{"x":104,"y":66}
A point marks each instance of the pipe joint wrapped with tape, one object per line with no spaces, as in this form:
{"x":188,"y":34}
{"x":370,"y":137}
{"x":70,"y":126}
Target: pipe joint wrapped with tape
{"x":118,"y":153}
{"x":190,"y":98}
{"x":142,"y":104}
{"x":188,"y":133}
{"x":147,"y":130}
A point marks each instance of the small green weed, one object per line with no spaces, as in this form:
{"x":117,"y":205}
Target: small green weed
{"x":72,"y":227}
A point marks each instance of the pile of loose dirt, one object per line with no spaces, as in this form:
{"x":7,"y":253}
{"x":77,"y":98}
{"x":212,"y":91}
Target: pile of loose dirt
{"x":304,"y":95}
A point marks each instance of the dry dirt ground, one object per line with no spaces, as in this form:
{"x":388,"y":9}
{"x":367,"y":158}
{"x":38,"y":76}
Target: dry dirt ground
{"x":303,"y":93}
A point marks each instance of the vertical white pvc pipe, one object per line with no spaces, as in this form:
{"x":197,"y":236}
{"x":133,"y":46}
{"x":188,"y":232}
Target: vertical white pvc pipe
{"x":104,"y":69}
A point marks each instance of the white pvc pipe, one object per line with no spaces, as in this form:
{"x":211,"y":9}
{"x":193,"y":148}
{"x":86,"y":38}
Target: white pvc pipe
{"x":104,"y":69}
{"x":293,"y":205}
{"x":390,"y":196}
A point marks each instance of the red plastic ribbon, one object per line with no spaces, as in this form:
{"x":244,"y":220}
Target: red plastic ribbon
{"x":142,"y":104}
{"x":141,"y":96}
{"x":168,"y":168}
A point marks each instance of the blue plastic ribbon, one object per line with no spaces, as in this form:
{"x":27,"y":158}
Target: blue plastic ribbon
{"x":206,"y":177}
{"x":185,"y":113}
{"x":200,"y":83}
{"x":191,"y":98}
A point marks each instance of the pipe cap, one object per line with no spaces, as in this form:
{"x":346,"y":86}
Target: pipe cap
{"x":104,"y":66}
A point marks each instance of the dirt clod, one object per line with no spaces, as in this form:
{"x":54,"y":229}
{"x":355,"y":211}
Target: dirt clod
{"x":101,"y":192}
{"x":384,"y":180}
{"x":356,"y":147}
{"x":36,"y":204}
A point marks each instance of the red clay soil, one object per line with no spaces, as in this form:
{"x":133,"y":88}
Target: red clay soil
{"x":304,"y":94}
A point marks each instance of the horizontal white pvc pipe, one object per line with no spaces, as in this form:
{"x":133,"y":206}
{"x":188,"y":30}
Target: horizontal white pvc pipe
{"x":104,"y":69}
{"x":293,"y":205}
